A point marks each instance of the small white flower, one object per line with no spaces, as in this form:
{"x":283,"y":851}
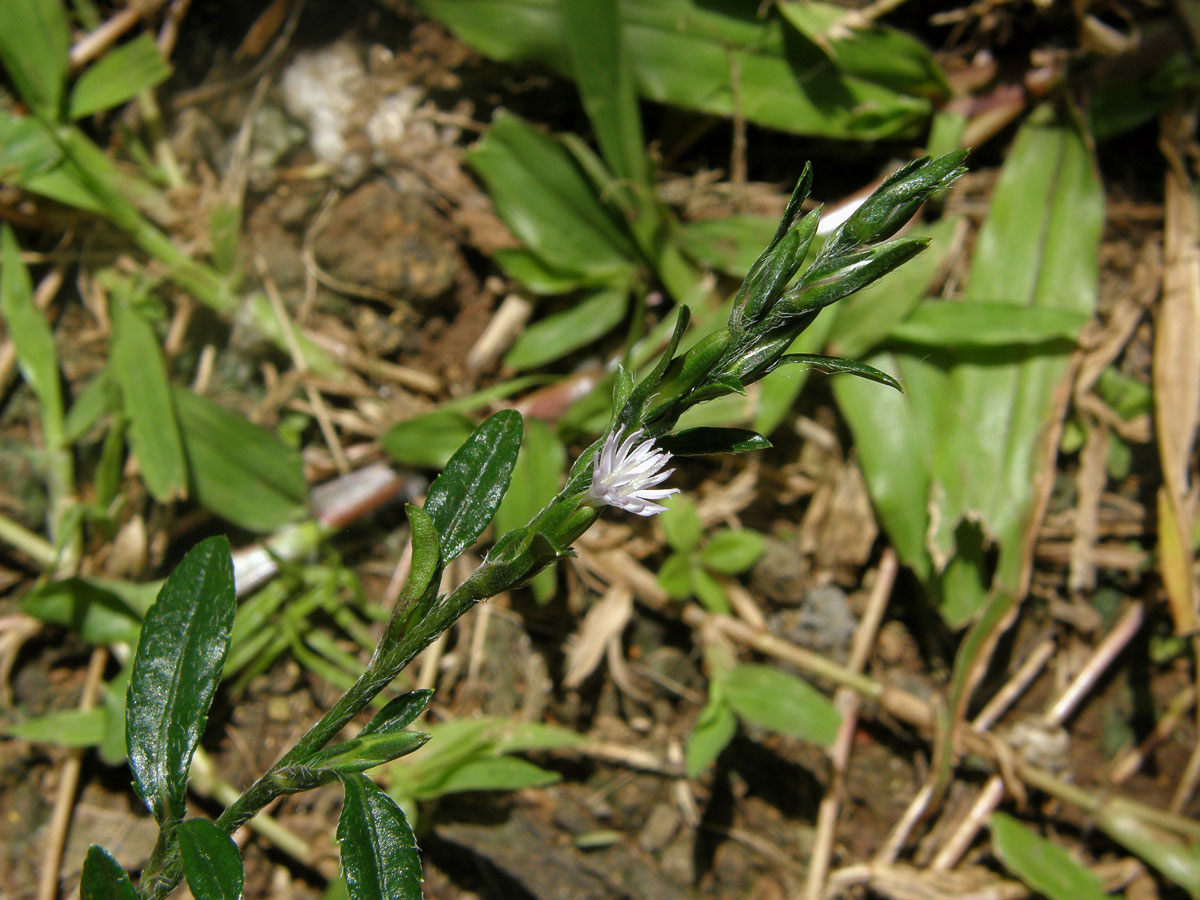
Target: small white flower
{"x":624,"y":475}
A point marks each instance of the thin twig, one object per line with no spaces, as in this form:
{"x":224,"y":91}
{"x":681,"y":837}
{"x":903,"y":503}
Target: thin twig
{"x":1015,"y":686}
{"x":847,"y":702}
{"x":1132,"y":760}
{"x":68,"y":784}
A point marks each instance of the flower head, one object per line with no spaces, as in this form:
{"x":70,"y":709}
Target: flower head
{"x":624,"y":476}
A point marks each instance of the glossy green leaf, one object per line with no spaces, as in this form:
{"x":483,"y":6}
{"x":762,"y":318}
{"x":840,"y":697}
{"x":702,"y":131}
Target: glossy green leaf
{"x":877,"y":53}
{"x":781,"y":702}
{"x":462,"y":500}
{"x":681,"y":523}
{"x":63,"y":728}
{"x":543,"y":197}
{"x":1045,"y":867}
{"x":35,"y":36}
{"x":176,"y":670}
{"x":400,"y":712}
{"x":983,"y":324}
{"x":103,"y":878}
{"x":426,"y":556}
{"x":702,"y":441}
{"x":379,"y":852}
{"x":100,"y":610}
{"x":429,"y":440}
{"x":31,"y":335}
{"x":138,"y":367}
{"x":730,"y":551}
{"x":240,"y":471}
{"x":685,"y":53}
{"x":580,"y":325}
{"x":212,"y":862}
{"x":714,"y":729}
{"x":119,"y":75}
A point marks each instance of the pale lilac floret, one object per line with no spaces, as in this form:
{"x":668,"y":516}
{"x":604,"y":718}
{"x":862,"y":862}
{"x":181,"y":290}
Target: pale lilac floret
{"x":625,"y":475}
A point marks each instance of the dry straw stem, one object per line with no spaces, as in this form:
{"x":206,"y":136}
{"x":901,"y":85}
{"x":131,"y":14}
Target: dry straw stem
{"x":1177,"y":371}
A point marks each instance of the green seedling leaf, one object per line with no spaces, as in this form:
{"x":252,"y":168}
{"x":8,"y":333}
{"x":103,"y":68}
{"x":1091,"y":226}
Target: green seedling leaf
{"x":675,"y":576}
{"x":100,"y":610}
{"x":26,"y":148}
{"x":984,"y":324}
{"x":685,"y":53}
{"x":64,"y":728}
{"x":543,"y":197}
{"x":538,"y":277}
{"x":428,"y":441}
{"x":175,"y":673}
{"x":782,"y":702}
{"x":240,"y":471}
{"x":139,"y":369}
{"x":103,"y":878}
{"x":119,"y":75}
{"x":379,"y":852}
{"x":714,"y":729}
{"x":30,"y":333}
{"x":584,"y":323}
{"x":709,"y":591}
{"x":702,"y":441}
{"x":498,"y":773}
{"x":606,"y":85}
{"x":212,"y":862}
{"x":729,"y":552}
{"x":681,"y":523}
{"x":1046,"y":868}
{"x":35,"y":36}
{"x":462,"y":500}
{"x":877,"y":53}
{"x":399,"y":713}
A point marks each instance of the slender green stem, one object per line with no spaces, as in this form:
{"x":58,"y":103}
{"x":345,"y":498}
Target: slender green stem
{"x":32,"y":545}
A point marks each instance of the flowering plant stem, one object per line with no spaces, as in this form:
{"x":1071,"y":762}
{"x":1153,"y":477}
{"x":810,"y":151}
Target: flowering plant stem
{"x":623,"y":469}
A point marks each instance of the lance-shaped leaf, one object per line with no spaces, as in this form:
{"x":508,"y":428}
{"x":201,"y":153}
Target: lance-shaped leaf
{"x":34,"y":39}
{"x":212,"y":862}
{"x":176,"y":670}
{"x":462,"y":500}
{"x":782,"y":702}
{"x":366,"y":751}
{"x":379,"y":852}
{"x":704,"y":440}
{"x":1046,"y":868}
{"x":400,"y":712}
{"x":103,"y":878}
{"x":832,"y":365}
{"x":583,"y":323}
{"x":118,"y":76}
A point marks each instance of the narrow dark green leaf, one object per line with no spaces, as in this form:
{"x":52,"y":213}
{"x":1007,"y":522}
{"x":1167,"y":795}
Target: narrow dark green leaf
{"x":103,"y":878}
{"x":704,"y":440}
{"x":379,"y":852}
{"x":582,"y":324}
{"x":366,"y":752}
{"x":31,"y":334}
{"x":34,"y":39}
{"x":831,"y":365}
{"x":139,"y":369}
{"x":175,"y":673}
{"x":428,"y":441}
{"x":713,"y":731}
{"x":400,"y":712}
{"x":781,"y":702}
{"x":462,"y":500}
{"x":240,"y":471}
{"x":212,"y":862}
{"x":1046,"y":868}
{"x":118,"y":76}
